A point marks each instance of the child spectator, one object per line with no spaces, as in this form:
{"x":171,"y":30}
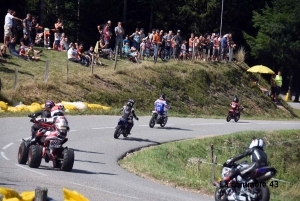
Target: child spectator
{"x":62,"y":41}
{"x":56,"y":40}
{"x":183,"y":50}
{"x":126,"y":40}
{"x":143,"y":48}
{"x":132,"y":53}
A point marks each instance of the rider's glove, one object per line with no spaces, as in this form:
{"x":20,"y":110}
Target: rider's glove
{"x":137,"y":118}
{"x":68,"y":128}
{"x":229,"y":161}
{"x":30,"y":115}
{"x":31,"y":120}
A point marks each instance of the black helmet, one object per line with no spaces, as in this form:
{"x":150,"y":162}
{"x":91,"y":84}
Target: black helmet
{"x":130,"y":102}
{"x":236,"y":100}
{"x":163,"y":96}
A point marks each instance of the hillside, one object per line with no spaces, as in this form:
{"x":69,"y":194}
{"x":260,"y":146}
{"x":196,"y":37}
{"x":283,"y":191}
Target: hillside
{"x":193,"y":88}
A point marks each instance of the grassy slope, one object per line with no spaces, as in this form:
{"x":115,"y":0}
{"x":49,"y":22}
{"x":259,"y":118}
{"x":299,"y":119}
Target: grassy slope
{"x":176,"y":163}
{"x":194,"y":88}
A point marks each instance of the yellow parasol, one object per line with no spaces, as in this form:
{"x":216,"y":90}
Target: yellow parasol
{"x":260,"y":69}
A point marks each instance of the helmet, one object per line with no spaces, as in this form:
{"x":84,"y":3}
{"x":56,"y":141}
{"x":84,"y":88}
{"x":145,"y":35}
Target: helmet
{"x":259,"y":143}
{"x":162,"y":96}
{"x":236,"y":99}
{"x":49,"y":104}
{"x":130,"y":102}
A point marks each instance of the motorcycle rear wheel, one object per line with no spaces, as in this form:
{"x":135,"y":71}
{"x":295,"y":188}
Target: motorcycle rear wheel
{"x":228,"y":118}
{"x":68,"y":161}
{"x":152,"y":122}
{"x":34,"y":156}
{"x":117,"y":132}
{"x":165,"y":120}
{"x":263,"y":194}
{"x":220,"y":195}
{"x":23,"y":153}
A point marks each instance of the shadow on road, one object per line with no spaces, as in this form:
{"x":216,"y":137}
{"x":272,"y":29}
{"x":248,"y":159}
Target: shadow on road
{"x":241,"y":122}
{"x":139,"y":140}
{"x":90,"y":152}
{"x":88,"y":161}
{"x":174,"y":128}
{"x":88,"y":172}
{"x":7,"y":184}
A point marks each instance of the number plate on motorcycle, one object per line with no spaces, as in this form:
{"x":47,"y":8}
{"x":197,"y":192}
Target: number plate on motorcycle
{"x":54,"y":144}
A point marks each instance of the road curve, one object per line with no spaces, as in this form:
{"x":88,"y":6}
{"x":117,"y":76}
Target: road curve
{"x":96,"y":173}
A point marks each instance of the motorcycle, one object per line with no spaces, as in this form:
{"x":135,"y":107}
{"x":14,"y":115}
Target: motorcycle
{"x":233,"y":114}
{"x":158,"y":118}
{"x":249,"y":187}
{"x":121,"y":128}
{"x":48,"y":145}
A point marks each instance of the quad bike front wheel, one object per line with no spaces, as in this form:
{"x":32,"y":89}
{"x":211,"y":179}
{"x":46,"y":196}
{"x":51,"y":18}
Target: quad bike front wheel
{"x":68,"y":160}
{"x":23,"y":153}
{"x":34,"y":156}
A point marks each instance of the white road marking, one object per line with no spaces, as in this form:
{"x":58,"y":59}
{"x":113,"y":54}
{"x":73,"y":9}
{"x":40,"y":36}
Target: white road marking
{"x":98,"y":189}
{"x":204,"y":124}
{"x":72,"y":130}
{"x":263,"y":123}
{"x":290,"y":123}
{"x":8,"y":145}
{"x":3,"y":155}
{"x":30,"y":170}
{"x":103,"y":128}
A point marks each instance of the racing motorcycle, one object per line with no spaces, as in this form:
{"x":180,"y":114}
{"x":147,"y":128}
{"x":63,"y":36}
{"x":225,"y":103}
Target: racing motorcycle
{"x":121,"y":128}
{"x":234,"y":114}
{"x":249,"y":187}
{"x":48,"y":145}
{"x":159,"y":118}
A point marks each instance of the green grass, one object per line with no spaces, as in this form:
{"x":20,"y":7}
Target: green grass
{"x":176,"y":163}
{"x":197,"y":89}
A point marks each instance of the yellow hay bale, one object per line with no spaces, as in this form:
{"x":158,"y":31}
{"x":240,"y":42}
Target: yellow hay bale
{"x":3,"y":106}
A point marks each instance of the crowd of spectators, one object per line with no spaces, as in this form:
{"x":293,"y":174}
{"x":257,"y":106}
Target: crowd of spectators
{"x":135,"y":46}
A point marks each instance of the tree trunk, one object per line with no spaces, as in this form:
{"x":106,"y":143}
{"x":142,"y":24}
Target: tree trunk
{"x":42,"y":9}
{"x":297,"y":86}
{"x":78,"y":18}
{"x":151,"y":17}
{"x":124,"y":13}
{"x":290,"y":87}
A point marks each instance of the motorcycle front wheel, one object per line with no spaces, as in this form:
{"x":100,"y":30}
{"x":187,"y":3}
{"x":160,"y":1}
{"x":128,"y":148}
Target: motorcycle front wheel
{"x":118,"y":132}
{"x":228,"y":118}
{"x":237,"y":117}
{"x":165,"y":120}
{"x":263,"y":193}
{"x":220,"y":195}
{"x":152,"y":121}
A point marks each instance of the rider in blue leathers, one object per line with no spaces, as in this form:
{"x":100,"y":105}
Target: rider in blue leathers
{"x":161,"y":105}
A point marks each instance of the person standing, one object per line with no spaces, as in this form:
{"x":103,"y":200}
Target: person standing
{"x":156,"y":41}
{"x":278,"y":81}
{"x":178,"y":42}
{"x":59,"y":27}
{"x":7,"y":28}
{"x":119,"y":37}
{"x":136,"y":38}
{"x":27,"y":26}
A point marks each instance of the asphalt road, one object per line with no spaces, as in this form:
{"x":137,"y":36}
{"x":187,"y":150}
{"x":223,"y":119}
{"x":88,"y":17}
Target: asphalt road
{"x":96,"y":173}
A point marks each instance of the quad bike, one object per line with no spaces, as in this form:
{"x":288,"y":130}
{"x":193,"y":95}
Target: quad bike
{"x":48,"y":145}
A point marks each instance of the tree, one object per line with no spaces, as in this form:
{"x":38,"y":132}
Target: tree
{"x":278,"y":38}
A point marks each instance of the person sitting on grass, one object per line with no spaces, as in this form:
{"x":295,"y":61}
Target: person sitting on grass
{"x":72,"y":55}
{"x":81,"y":55}
{"x":29,"y":54}
{"x":24,"y":42}
{"x":90,"y":53}
{"x":105,"y":50}
{"x":132,"y":53}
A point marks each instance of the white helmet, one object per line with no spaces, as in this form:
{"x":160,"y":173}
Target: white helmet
{"x":257,"y":143}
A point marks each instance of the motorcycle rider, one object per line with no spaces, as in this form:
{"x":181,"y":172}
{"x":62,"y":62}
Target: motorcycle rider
{"x":45,"y":113}
{"x":161,"y":105}
{"x":129,"y":114}
{"x":258,"y":159}
{"x":235,"y":105}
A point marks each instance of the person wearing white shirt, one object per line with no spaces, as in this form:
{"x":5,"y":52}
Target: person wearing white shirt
{"x":72,"y":55}
{"x":7,"y":27}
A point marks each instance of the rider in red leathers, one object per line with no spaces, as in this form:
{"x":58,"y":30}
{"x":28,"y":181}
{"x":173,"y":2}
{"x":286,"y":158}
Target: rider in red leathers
{"x":235,"y":105}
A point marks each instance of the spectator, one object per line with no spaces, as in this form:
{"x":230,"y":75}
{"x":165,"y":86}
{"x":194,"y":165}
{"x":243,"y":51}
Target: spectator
{"x":151,"y":36}
{"x":31,"y":54}
{"x":34,"y":29}
{"x":56,"y":40}
{"x":126,"y":40}
{"x":27,"y":26}
{"x":67,"y":44}
{"x":59,"y":27}
{"x":72,"y":55}
{"x":178,"y":41}
{"x":81,"y":56}
{"x":7,"y":28}
{"x":278,"y":81}
{"x":183,"y":50}
{"x":14,"y":27}
{"x":224,"y":47}
{"x":196,"y":48}
{"x":62,"y":41}
{"x":107,"y":33}
{"x":100,"y":32}
{"x":132,"y":53}
{"x":90,"y":53}
{"x":24,"y":42}
{"x":136,"y":38}
{"x":12,"y":47}
{"x":143,"y":48}
{"x":142,"y":34}
{"x":168,"y":42}
{"x":215,"y":47}
{"x":105,"y":49}
{"x":119,"y":37}
{"x":156,"y":41}
{"x":273,"y":87}
{"x":161,"y":39}
{"x":191,"y":41}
